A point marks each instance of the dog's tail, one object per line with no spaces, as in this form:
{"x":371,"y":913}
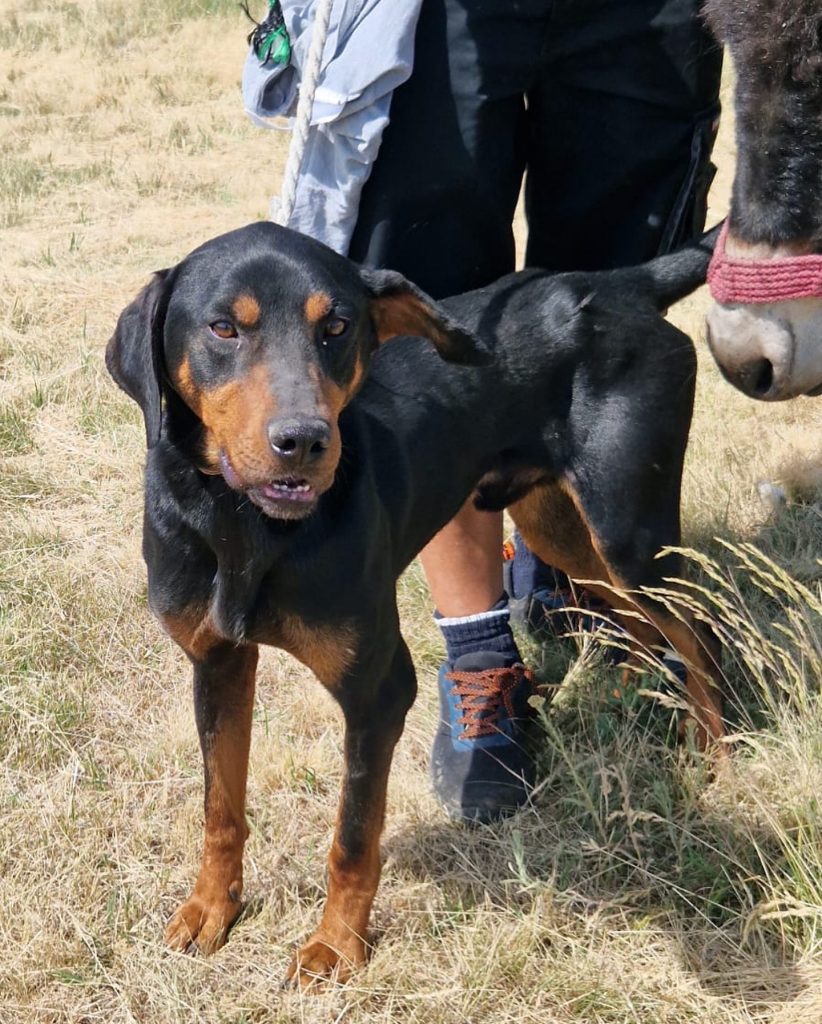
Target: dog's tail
{"x":671,"y":277}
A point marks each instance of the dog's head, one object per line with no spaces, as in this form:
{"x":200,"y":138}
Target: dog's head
{"x":265,"y":336}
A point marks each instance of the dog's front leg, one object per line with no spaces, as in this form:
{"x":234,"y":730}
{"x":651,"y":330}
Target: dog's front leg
{"x":374,"y":719}
{"x":223,"y":701}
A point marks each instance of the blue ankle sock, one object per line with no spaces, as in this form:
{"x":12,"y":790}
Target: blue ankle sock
{"x":529,"y":573}
{"x":488,"y":631}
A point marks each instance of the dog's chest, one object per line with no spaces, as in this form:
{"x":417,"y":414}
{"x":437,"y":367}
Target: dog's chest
{"x":295,"y":606}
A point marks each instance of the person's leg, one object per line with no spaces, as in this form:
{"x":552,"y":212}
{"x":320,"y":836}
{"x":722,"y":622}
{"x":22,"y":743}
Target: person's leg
{"x":462,"y":563}
{"x":439,"y":207}
{"x":621,"y":126}
{"x":439,"y":203}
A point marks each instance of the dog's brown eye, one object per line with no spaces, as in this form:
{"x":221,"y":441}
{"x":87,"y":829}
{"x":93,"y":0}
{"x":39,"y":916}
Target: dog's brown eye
{"x":335,"y":326}
{"x":223,"y":329}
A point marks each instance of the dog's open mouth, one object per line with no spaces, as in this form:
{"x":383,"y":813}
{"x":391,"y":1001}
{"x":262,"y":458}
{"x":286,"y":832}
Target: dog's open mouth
{"x":289,"y":488}
{"x":285,"y":498}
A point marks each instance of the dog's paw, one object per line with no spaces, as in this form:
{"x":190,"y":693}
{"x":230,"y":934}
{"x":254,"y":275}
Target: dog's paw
{"x":201,"y":926}
{"x":319,"y":963}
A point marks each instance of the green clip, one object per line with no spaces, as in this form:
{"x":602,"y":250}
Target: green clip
{"x":275,"y":47}
{"x":270,"y":39}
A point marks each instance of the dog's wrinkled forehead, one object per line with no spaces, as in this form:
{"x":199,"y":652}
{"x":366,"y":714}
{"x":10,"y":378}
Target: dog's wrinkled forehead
{"x":264,"y":271}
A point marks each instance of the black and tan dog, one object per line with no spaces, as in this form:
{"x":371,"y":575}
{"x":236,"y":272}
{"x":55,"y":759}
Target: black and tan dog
{"x":295,"y":469}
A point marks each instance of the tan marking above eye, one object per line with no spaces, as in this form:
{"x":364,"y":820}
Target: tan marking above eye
{"x":316,"y":306}
{"x":247,"y":311}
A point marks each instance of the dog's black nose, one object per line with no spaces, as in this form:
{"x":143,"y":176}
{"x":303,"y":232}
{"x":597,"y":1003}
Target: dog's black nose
{"x":299,"y":440}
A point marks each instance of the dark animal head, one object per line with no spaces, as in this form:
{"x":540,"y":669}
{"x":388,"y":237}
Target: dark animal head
{"x":773,"y":351}
{"x":253,"y":346}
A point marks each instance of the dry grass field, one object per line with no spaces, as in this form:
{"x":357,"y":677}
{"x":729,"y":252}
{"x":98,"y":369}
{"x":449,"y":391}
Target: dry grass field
{"x":636,"y":889}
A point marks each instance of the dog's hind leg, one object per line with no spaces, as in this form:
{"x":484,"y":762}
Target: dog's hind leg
{"x":374,"y":719}
{"x":612,"y":535}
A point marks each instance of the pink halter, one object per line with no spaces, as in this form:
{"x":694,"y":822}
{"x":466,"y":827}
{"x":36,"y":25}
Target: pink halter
{"x":758,"y":281}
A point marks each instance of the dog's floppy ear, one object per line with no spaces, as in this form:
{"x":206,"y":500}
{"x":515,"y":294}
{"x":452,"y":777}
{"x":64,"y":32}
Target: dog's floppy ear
{"x":399,"y":307}
{"x":133,"y":354}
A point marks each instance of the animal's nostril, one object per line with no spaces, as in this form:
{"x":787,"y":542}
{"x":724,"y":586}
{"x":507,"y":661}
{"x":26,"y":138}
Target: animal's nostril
{"x":283,"y":441}
{"x":317,"y":437}
{"x":758,"y":377}
{"x":299,"y":439}
{"x":764,"y":379}
{"x":284,"y":445}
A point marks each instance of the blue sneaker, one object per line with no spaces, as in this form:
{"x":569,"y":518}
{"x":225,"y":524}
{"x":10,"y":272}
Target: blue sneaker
{"x":480,"y":767}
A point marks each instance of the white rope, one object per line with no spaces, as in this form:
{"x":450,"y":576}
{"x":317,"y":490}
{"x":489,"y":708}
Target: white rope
{"x":281,"y":211}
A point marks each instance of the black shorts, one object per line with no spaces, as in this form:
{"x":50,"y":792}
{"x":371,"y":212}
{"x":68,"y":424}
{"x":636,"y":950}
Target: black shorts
{"x":608,"y":108}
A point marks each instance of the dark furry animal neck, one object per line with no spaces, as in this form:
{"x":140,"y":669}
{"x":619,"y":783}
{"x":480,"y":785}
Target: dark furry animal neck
{"x":783,"y":35}
{"x":776,"y":47}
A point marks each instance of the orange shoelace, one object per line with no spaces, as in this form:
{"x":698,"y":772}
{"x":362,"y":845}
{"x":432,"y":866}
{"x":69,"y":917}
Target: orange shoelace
{"x":483,"y":694}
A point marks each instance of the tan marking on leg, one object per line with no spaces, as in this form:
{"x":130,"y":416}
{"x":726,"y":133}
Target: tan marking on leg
{"x":698,"y":650}
{"x":329,"y":651}
{"x":553,"y":525}
{"x":339,"y":944}
{"x":700,"y":653}
{"x":193,"y":629}
{"x":554,"y":530}
{"x":203,"y":920}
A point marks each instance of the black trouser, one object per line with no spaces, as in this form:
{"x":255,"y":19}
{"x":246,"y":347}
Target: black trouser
{"x":608,"y":107}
